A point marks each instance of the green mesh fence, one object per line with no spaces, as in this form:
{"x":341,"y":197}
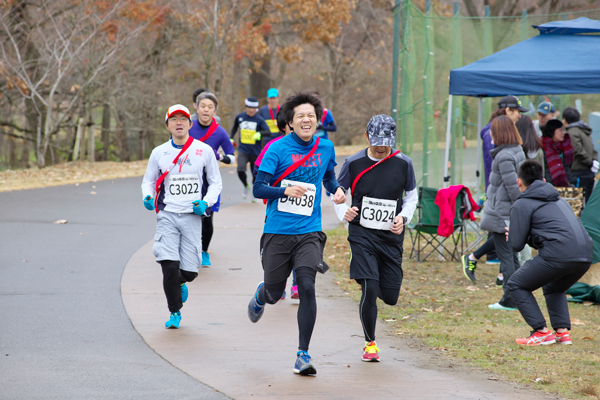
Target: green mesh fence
{"x":428,"y":46}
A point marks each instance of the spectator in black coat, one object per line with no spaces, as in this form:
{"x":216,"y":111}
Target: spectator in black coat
{"x":546,"y":222}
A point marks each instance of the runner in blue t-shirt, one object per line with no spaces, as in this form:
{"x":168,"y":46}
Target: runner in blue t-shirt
{"x":207,"y":130}
{"x":290,"y":177}
{"x":251,"y":127}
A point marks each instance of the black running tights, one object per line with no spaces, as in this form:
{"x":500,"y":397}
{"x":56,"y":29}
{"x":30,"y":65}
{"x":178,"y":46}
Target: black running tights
{"x":307,"y":309}
{"x":173,"y":277}
{"x":242,"y":176}
{"x":207,"y":231}
{"x":368,"y":304}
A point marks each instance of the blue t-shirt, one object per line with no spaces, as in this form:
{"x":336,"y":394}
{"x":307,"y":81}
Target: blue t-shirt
{"x":322,"y":133}
{"x":282,"y":154}
{"x":248,"y":126}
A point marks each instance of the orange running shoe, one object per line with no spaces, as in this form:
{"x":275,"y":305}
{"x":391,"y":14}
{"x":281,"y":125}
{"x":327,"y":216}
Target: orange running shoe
{"x":563,"y":338}
{"x":537,"y":338}
{"x":371,"y":352}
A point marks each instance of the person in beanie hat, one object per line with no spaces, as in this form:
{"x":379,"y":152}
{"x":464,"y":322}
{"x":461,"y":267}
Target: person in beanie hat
{"x":251,"y":126}
{"x":172,"y":186}
{"x":384,"y":198}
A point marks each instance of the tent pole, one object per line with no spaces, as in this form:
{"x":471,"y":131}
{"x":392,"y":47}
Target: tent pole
{"x":478,"y":173}
{"x":447,"y":155}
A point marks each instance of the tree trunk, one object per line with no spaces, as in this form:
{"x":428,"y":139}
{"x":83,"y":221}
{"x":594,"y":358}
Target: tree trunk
{"x":91,"y":137}
{"x":122,"y":137}
{"x":105,"y":130}
{"x":12,"y":156}
{"x":78,"y":139}
{"x":260,"y":81}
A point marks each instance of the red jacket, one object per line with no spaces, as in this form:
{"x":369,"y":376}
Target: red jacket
{"x":446,"y":201}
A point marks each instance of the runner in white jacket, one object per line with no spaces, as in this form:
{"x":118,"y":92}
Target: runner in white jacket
{"x":179,"y":204}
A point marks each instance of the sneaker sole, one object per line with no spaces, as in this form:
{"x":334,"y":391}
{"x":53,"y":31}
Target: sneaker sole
{"x":306,"y":371}
{"x":569,"y":342}
{"x":370,"y":359}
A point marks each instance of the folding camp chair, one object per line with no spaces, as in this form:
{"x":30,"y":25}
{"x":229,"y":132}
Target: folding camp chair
{"x":427,"y":225}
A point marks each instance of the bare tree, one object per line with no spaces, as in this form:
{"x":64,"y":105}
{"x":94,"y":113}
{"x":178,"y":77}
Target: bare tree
{"x":60,"y":39}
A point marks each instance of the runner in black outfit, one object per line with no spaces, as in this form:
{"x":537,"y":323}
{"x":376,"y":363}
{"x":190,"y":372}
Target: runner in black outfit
{"x":384,"y":198}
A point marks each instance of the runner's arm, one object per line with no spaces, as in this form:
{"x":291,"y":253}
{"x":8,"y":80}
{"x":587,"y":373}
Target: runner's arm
{"x":330,"y":182}
{"x":234,"y":128}
{"x":409,"y":204}
{"x":150,"y":178}
{"x":262,"y":190}
{"x":340,"y":209}
{"x":215,"y":184}
{"x":229,"y":157}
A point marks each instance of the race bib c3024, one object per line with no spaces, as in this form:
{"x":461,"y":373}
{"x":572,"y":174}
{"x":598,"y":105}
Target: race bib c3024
{"x":302,"y":206}
{"x":378,"y":213}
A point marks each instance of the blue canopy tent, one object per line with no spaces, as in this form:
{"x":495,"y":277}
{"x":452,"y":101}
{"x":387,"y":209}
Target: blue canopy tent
{"x":564,"y":58}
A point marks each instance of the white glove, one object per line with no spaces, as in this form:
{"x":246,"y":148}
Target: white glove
{"x":595,"y":165}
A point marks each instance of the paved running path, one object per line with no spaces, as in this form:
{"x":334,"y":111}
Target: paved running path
{"x":218,"y":345}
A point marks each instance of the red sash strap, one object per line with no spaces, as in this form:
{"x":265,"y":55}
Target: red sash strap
{"x":163,"y":176}
{"x":271,"y":112}
{"x":298,"y":163}
{"x":325,"y":112}
{"x":370,"y":168}
{"x":211,"y":129}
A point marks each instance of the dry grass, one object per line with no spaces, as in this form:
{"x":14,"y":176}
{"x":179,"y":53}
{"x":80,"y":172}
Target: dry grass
{"x":69,"y":173}
{"x":449,"y":313}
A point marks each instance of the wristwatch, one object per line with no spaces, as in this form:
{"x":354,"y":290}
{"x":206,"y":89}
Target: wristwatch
{"x":404,"y":220}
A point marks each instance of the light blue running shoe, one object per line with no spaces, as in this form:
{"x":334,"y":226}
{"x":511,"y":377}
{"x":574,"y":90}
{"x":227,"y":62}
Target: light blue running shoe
{"x":174,"y":320}
{"x":255,"y":309}
{"x":184,"y":292}
{"x":205,"y":259}
{"x":304,"y":364}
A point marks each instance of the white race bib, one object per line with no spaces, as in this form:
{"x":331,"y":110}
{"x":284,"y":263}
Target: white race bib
{"x":378,"y":213}
{"x":184,"y":188}
{"x":303,"y":206}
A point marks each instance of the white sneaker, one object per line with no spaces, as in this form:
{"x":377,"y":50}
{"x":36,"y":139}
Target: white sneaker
{"x":246,"y":191}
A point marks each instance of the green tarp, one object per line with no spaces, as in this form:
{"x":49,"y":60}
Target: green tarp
{"x":581,"y":292}
{"x":590,"y":218}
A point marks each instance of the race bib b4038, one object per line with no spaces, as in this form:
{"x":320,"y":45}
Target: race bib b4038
{"x":301,"y":206}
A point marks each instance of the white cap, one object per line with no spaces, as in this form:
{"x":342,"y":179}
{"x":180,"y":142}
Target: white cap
{"x":177,"y":108}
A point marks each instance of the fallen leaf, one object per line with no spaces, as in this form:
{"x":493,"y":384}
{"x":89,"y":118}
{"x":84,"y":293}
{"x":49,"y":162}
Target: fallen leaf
{"x":92,"y":192}
{"x":472,"y":288}
{"x":587,"y":303}
{"x":390,"y":320}
{"x":486,"y":331}
{"x":407,"y":317}
{"x":575,"y":321}
{"x":427,"y":309}
{"x":493,"y":378}
{"x":61,"y":221}
{"x":25,"y":260}
{"x":331,"y":257}
{"x":456,"y":314}
{"x":439,"y":309}
{"x":587,"y":338}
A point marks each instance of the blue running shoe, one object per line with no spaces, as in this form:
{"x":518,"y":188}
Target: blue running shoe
{"x":255,"y":309}
{"x":205,"y":259}
{"x":304,"y":364}
{"x":494,"y":261}
{"x":184,"y":292}
{"x":283,"y":295}
{"x":174,"y":321}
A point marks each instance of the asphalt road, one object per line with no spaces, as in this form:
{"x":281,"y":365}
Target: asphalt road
{"x":65,"y":333}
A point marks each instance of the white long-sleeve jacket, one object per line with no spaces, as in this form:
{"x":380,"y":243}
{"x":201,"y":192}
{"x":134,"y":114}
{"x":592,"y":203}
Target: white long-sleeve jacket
{"x":183,"y":185}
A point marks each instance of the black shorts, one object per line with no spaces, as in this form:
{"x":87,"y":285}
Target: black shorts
{"x":279,"y":253}
{"x":373,"y":258}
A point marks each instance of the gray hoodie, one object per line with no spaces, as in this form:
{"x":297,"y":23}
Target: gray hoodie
{"x":547,"y":222}
{"x":502,"y":190}
{"x":583,"y":146}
